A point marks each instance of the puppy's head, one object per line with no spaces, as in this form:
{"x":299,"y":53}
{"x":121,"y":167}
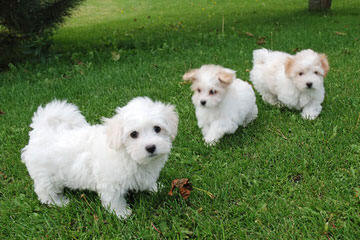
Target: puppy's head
{"x":145,"y":129}
{"x":307,"y":69}
{"x":209,"y":84}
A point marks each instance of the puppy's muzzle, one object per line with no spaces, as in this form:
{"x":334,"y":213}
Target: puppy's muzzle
{"x":203,"y":102}
{"x":150,"y":148}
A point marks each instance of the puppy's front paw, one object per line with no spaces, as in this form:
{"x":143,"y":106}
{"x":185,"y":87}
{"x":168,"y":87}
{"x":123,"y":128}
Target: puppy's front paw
{"x":123,"y":213}
{"x":210,"y":141}
{"x":309,"y":115}
{"x":155,"y":187}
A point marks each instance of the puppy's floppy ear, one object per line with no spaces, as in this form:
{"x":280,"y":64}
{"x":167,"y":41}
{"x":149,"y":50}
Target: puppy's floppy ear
{"x":324,"y":63}
{"x":190,"y":75}
{"x":288,"y":66}
{"x":226,"y":76}
{"x":171,"y":120}
{"x":114,"y":130}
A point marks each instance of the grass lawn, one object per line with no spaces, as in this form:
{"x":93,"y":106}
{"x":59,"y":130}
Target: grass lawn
{"x":282,"y":177}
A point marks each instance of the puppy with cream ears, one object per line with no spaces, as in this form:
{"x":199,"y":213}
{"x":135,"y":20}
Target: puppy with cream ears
{"x":293,"y":80}
{"x":125,"y":152}
{"x":221,"y":101}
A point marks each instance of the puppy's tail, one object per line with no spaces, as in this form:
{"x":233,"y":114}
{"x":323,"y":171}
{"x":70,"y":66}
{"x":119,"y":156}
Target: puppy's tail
{"x":57,"y":114}
{"x":260,"y":56}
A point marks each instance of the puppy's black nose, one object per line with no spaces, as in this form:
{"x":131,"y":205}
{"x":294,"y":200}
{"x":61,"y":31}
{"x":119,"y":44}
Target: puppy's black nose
{"x":150,"y":148}
{"x":203,"y":102}
{"x":309,"y":84}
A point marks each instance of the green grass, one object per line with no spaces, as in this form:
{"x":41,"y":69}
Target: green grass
{"x":282,"y":177}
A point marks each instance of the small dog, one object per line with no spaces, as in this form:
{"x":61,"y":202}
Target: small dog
{"x":126,"y":152}
{"x":222,"y":102}
{"x":295,"y":81}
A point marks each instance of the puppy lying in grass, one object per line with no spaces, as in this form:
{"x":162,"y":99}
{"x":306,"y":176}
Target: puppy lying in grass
{"x":293,"y":80}
{"x":222,"y":102}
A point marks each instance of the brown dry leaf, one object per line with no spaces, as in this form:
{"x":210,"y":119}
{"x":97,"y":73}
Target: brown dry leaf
{"x":1,"y":112}
{"x":96,"y":218}
{"x":247,"y":70}
{"x":295,"y":50}
{"x":261,"y":41}
{"x":184,"y":186}
{"x":249,"y":34}
{"x":340,"y":33}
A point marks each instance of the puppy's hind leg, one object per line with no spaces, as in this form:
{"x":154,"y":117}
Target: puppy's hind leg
{"x":251,"y":116}
{"x":49,"y":193}
{"x":271,"y":99}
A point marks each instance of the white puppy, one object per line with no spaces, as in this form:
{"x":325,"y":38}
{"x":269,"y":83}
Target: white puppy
{"x":222,"y":102}
{"x":295,"y":81}
{"x":124,"y":153}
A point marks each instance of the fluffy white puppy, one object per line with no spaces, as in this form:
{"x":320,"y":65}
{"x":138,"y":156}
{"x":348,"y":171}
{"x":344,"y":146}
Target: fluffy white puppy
{"x":222,"y":102}
{"x":126,"y":152}
{"x":293,"y":80}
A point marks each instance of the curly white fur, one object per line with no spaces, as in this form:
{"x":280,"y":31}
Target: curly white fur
{"x":293,"y":80}
{"x":65,"y":151}
{"x":221,"y":101}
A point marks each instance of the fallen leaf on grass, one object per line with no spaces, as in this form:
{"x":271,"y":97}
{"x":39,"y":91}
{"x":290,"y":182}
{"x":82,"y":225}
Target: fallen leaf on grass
{"x":115,"y":56}
{"x":66,"y":76}
{"x":1,"y":112}
{"x":296,"y":178}
{"x":295,"y":50}
{"x":261,"y":41}
{"x":185,"y":82}
{"x":96,"y":218}
{"x":340,"y":33}
{"x":249,"y":34}
{"x":184,"y":186}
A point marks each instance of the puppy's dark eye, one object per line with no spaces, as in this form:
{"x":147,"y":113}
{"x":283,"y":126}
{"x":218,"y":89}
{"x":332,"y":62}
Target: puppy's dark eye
{"x":134,"y":134}
{"x":157,"y":129}
{"x":316,"y":72}
{"x":199,"y":90}
{"x":212,"y":92}
{"x":301,"y":73}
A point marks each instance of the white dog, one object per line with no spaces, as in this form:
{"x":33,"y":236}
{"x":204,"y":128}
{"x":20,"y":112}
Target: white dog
{"x":222,"y":102}
{"x":126,"y":152}
{"x":295,"y":81}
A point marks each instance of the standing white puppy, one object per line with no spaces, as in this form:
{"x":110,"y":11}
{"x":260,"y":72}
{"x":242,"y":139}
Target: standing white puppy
{"x":293,"y":80}
{"x":124,"y":153}
{"x":222,"y":102}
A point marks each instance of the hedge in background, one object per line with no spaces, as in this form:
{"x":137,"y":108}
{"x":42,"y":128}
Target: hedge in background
{"x":27,"y":21}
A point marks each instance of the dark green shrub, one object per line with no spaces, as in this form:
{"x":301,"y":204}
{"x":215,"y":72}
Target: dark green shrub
{"x":26,"y":25}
